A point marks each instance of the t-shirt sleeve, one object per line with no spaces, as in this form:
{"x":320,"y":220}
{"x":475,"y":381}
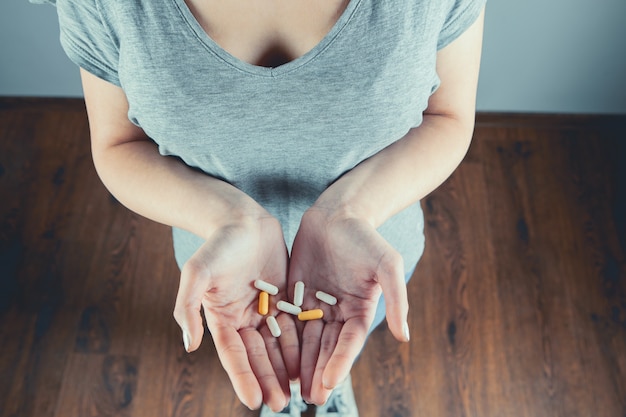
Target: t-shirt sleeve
{"x":460,"y":18}
{"x":86,"y":37}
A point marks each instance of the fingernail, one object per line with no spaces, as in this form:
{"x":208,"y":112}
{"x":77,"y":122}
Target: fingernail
{"x":405,"y":331}
{"x":186,"y":340}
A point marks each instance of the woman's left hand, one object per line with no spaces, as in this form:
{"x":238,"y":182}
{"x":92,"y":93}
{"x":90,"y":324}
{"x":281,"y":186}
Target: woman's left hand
{"x":347,"y":258}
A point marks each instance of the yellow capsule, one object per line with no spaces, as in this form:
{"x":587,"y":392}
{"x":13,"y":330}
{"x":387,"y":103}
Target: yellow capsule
{"x":264,"y":303}
{"x":311,"y":315}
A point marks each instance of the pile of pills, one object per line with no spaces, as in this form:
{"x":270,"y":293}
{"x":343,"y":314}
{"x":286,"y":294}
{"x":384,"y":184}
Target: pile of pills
{"x":266,"y":289}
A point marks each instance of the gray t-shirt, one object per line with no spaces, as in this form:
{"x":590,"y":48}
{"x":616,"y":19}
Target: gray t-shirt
{"x":283,"y":134}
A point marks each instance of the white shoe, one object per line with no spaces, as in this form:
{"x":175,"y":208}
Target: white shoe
{"x":341,"y":402}
{"x":295,"y":407}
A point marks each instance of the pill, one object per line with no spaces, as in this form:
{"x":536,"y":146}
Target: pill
{"x":325,"y":297}
{"x":264,"y":303}
{"x":259,"y":284}
{"x":273,"y":326}
{"x":311,"y":315}
{"x":298,"y":294}
{"x":288,"y":308}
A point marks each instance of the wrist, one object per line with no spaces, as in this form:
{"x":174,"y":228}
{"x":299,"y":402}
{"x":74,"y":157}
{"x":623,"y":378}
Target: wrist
{"x":341,"y":208}
{"x":234,"y":209}
{"x":358,"y":194}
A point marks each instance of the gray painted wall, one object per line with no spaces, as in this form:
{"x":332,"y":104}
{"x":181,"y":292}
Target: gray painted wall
{"x":552,"y":56}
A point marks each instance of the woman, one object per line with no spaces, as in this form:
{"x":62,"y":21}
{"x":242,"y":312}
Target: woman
{"x":284,"y":140}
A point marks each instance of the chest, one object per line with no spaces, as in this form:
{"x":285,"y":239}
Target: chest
{"x":267,"y":33}
{"x":358,"y":90}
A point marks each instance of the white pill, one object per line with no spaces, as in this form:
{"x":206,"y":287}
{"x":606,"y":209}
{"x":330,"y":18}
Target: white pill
{"x":288,"y":308}
{"x":266,"y":286}
{"x":327,"y":298}
{"x":298,"y":294}
{"x":273,"y":326}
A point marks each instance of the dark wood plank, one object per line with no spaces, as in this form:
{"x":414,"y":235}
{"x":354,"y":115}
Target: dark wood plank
{"x":518,"y":242}
{"x":35,"y":157}
{"x":518,"y":306}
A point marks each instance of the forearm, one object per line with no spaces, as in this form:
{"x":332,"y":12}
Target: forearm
{"x":412,"y":167}
{"x":401,"y":174}
{"x":165,"y":190}
{"x":160,"y":188}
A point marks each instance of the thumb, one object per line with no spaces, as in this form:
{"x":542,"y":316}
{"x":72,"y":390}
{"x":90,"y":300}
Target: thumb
{"x":187,"y":311}
{"x":391,"y":280}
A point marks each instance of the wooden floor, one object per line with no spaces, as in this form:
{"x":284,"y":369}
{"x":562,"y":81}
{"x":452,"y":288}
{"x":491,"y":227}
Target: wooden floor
{"x":518,"y":307}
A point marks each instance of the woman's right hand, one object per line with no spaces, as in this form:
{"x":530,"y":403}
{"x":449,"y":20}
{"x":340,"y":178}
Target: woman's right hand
{"x":218,"y":279}
{"x":243,"y":242}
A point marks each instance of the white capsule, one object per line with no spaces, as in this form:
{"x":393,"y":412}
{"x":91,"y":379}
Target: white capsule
{"x":266,"y":286}
{"x":326,"y":298}
{"x":298,"y":294}
{"x":288,"y":308}
{"x":272,"y":324}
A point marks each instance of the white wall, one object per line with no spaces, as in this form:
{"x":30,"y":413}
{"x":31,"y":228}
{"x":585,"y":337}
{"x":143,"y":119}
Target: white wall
{"x":565,"y":56}
{"x":555,"y":56}
{"x":32,"y":62}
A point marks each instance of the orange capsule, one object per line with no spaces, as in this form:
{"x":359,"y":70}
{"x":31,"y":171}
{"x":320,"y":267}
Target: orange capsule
{"x":311,"y":315}
{"x":264,"y":303}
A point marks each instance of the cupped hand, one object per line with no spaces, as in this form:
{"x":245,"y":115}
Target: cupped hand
{"x":347,"y":258}
{"x":218,"y":279}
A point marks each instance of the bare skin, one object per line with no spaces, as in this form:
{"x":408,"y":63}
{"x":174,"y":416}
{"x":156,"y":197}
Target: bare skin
{"x":337,"y":248}
{"x":267,"y":33}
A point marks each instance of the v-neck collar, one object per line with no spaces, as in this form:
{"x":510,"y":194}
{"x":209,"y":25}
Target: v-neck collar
{"x":242,"y":65}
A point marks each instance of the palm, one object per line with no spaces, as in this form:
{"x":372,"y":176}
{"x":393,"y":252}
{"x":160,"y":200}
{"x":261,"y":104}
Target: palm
{"x":237,"y":261}
{"x":350,"y":260}
{"x":219,"y":277}
{"x":342,"y":269}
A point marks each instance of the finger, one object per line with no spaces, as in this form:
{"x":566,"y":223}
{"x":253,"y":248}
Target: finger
{"x":349,"y":345}
{"x":273,"y":394}
{"x":289,"y":345}
{"x":311,"y":339}
{"x":330,"y":335}
{"x":188,"y":306}
{"x":272,"y":345}
{"x":233,"y":355}
{"x":391,"y":280}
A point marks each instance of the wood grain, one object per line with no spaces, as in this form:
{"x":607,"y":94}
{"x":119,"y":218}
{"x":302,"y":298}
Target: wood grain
{"x":518,"y":307}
